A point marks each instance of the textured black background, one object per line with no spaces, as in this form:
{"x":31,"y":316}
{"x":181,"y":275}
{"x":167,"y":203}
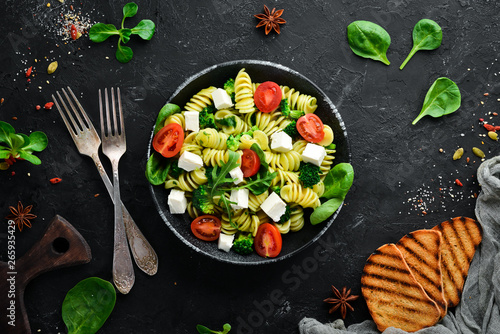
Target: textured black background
{"x":396,"y":164}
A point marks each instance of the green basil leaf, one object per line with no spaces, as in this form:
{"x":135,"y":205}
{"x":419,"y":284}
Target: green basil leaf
{"x":226,"y":328}
{"x":37,"y":142}
{"x":228,"y":121}
{"x":30,"y":157}
{"x":157,"y":169}
{"x":100,"y":32}
{"x":427,"y":35}
{"x":369,"y":40}
{"x":145,"y":29}
{"x":167,"y":110}
{"x":87,"y":305}
{"x":262,"y":157}
{"x":5,"y":131}
{"x":443,"y":98}
{"x":123,"y":53}
{"x":125,"y":34}
{"x":338,"y":181}
{"x":130,"y":9}
{"x":325,"y":210}
{"x":203,"y":330}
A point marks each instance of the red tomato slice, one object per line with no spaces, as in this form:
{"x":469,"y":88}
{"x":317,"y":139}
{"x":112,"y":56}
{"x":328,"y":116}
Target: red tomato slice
{"x":250,"y":163}
{"x":268,"y":241}
{"x":267,"y":96}
{"x":206,"y":228}
{"x":311,"y":128}
{"x":168,"y":141}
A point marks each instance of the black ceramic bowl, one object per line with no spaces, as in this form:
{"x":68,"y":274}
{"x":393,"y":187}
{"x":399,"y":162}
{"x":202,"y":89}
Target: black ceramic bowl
{"x":259,"y":71}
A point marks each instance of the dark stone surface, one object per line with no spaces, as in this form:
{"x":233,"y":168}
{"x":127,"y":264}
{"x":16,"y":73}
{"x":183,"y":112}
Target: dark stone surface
{"x":396,"y":164}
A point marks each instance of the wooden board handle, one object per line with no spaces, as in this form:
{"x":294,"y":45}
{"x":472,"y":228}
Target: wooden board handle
{"x":60,"y":246}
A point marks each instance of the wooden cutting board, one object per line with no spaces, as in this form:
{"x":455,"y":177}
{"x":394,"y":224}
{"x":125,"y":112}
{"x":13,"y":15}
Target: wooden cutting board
{"x":60,"y":246}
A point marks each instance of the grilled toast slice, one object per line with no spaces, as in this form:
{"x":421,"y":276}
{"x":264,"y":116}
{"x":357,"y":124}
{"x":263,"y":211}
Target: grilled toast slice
{"x":460,"y":238}
{"x":422,"y":252}
{"x":393,"y":296}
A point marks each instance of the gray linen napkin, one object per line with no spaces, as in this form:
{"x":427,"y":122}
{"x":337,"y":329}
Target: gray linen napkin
{"x":478,"y":311}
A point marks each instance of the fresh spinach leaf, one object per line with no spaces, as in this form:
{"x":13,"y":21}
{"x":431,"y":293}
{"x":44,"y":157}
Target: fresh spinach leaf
{"x":369,"y":40}
{"x":30,"y":157}
{"x":325,"y":210}
{"x":205,"y":330}
{"x":228,"y":121}
{"x":5,"y":130}
{"x":157,"y":169}
{"x":87,"y":305}
{"x":167,"y":110}
{"x":338,"y":181}
{"x":427,"y":35}
{"x":37,"y":142}
{"x":145,"y":29}
{"x":443,"y":98}
{"x":262,"y":157}
{"x":100,"y":32}
{"x":129,"y":10}
{"x":123,"y":53}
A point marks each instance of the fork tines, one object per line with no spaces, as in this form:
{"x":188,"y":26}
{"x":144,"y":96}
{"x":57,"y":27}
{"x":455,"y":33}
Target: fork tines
{"x":114,"y":128}
{"x":74,"y":127}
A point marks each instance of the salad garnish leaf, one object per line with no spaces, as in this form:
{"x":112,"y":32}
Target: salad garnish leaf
{"x":99,"y":32}
{"x":205,"y":330}
{"x":427,"y":35}
{"x":369,"y":40}
{"x":443,"y":98}
{"x":18,"y":145}
{"x":167,"y":110}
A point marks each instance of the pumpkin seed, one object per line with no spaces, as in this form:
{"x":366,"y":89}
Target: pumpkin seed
{"x":52,"y":67}
{"x":458,"y":153}
{"x":493,"y":135}
{"x":478,"y":152}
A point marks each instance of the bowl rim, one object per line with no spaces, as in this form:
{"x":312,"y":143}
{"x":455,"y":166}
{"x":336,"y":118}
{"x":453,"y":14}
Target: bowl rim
{"x":327,"y":100}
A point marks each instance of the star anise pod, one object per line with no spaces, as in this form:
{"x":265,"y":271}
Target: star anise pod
{"x":21,"y":216}
{"x":341,"y":300}
{"x":270,"y":19}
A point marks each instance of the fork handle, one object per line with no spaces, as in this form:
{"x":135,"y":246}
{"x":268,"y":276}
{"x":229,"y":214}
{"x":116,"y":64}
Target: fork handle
{"x":123,"y":271}
{"x":144,"y":255}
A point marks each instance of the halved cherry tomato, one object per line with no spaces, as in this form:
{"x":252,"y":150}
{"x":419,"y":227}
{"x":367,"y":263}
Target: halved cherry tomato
{"x":311,"y":128}
{"x":250,"y":163}
{"x":168,"y":141}
{"x":268,"y":240}
{"x":267,"y":96}
{"x":206,"y":228}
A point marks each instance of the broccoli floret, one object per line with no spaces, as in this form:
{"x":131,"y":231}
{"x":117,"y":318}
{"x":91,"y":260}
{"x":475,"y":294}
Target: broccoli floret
{"x":286,"y":216}
{"x":309,"y":174}
{"x":285,"y":107}
{"x":291,"y":129}
{"x":175,"y":170}
{"x":202,"y":201}
{"x":207,"y":119}
{"x":276,"y":189}
{"x":243,"y":244}
{"x":229,"y":88}
{"x":208,"y":174}
{"x":233,"y":142}
{"x":331,"y":147}
{"x":296,"y":114}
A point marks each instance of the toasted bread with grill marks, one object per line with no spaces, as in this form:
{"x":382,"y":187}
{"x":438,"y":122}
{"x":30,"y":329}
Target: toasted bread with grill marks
{"x":422,"y":252}
{"x":393,"y":296}
{"x":460,"y":238}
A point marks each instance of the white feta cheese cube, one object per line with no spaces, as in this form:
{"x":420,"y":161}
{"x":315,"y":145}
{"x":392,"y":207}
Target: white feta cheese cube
{"x":190,"y":161}
{"x":221,"y":98}
{"x":225,"y":242}
{"x":237,"y":174}
{"x":192,"y":121}
{"x":240,"y":197}
{"x":177,"y":201}
{"x":274,"y":207}
{"x":314,"y":154}
{"x":281,"y":142}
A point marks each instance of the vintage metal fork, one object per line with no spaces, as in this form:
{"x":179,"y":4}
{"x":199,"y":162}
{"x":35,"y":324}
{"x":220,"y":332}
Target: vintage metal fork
{"x":87,"y":142}
{"x":114,"y":146}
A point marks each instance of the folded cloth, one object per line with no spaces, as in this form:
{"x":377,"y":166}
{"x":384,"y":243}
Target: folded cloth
{"x":478,"y":311}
